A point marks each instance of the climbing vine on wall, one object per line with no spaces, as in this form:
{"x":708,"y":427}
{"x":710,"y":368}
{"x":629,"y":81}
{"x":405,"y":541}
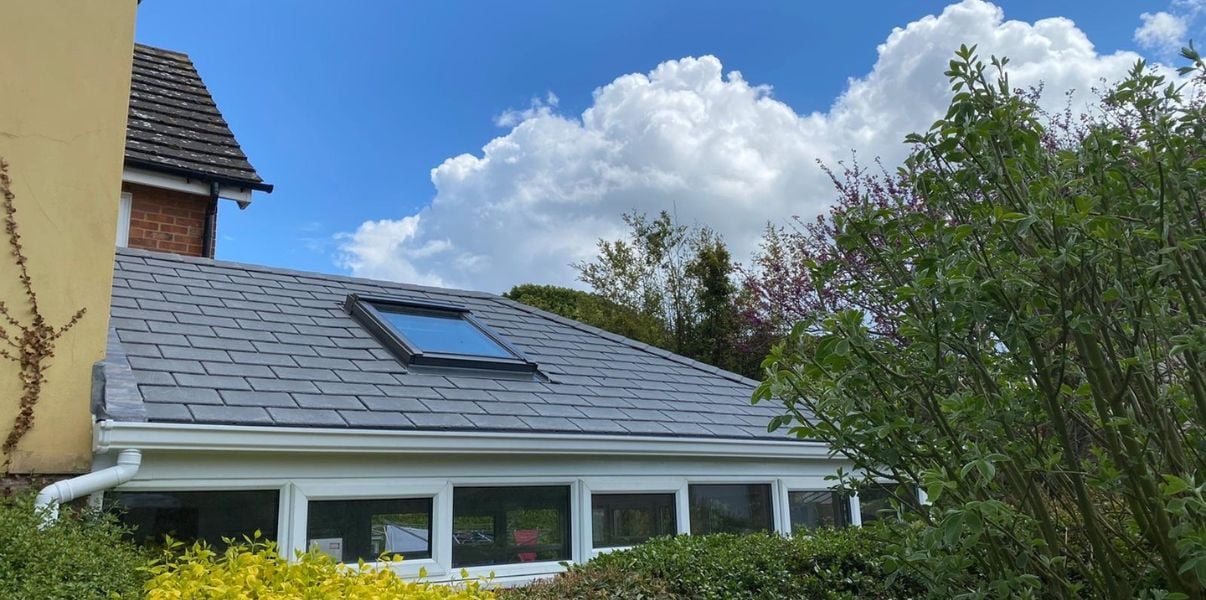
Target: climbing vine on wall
{"x":29,"y":343}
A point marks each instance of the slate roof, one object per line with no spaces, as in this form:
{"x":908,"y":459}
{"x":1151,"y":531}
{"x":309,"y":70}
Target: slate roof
{"x":203,"y":341}
{"x":174,"y":125}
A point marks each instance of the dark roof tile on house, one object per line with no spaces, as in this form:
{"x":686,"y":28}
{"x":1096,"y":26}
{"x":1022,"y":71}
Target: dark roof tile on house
{"x":174,"y":126}
{"x":314,"y":365}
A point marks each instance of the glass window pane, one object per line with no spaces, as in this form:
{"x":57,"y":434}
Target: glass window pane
{"x":735,"y":508}
{"x":875,"y":502}
{"x":354,"y":530}
{"x":434,"y":332}
{"x":629,"y":519}
{"x":502,"y":525}
{"x":812,"y":510}
{"x":191,"y":516}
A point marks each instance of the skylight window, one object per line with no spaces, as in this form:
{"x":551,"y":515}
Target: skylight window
{"x":436,"y":335}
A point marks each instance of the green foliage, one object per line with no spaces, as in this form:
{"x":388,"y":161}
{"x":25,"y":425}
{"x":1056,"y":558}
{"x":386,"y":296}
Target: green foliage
{"x":255,"y":570}
{"x":593,"y":310}
{"x":681,"y":278}
{"x":594,"y":583}
{"x":1028,"y":342}
{"x":80,"y":557}
{"x":828,"y":564}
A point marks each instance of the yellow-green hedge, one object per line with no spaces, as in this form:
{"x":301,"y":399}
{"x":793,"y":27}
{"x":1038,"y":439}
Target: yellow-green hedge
{"x":256,"y":571}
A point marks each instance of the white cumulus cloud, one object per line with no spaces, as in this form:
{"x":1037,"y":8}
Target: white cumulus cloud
{"x":1161,"y":31}
{"x":695,"y":139}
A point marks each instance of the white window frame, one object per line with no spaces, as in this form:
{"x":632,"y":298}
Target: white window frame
{"x":778,"y":497}
{"x":379,"y":489}
{"x":124,"y":206}
{"x":296,"y":493}
{"x":284,"y":487}
{"x":630,"y":485}
{"x":812,"y":484}
{"x":504,"y":571}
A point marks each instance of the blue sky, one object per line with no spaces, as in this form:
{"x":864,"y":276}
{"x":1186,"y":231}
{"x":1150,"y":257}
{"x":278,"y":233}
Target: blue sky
{"x":347,"y":108}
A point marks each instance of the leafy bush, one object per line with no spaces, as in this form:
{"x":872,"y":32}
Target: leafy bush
{"x":81,"y":556}
{"x":594,"y":583}
{"x":827,"y":564}
{"x":256,"y":571}
{"x":1017,"y":321}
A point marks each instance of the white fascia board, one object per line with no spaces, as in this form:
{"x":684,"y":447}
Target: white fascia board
{"x":183,"y":184}
{"x":117,"y":435}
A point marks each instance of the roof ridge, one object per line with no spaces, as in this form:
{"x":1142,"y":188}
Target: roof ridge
{"x":297,"y":273}
{"x":157,"y":49}
{"x":639,"y":345}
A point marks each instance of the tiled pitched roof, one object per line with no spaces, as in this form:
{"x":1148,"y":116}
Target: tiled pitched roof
{"x":174,"y":125}
{"x":217,"y":342}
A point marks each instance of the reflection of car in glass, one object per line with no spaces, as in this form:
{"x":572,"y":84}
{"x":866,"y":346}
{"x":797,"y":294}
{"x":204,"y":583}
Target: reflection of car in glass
{"x":473,"y":537}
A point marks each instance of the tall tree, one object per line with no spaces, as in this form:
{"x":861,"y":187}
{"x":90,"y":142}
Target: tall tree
{"x":593,"y":310}
{"x":683,"y":277}
{"x":1018,"y":323}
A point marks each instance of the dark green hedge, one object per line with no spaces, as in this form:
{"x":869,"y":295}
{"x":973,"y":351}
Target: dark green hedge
{"x":83,"y":556}
{"x":828,"y":564}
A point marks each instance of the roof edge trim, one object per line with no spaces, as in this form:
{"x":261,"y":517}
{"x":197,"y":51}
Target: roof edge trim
{"x":197,"y":174}
{"x":111,"y":436}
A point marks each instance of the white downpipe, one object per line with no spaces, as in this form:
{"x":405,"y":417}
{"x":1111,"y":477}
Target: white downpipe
{"x":51,"y":496}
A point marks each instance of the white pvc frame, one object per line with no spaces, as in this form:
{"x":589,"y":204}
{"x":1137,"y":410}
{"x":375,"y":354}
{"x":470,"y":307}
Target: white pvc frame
{"x":295,"y":495}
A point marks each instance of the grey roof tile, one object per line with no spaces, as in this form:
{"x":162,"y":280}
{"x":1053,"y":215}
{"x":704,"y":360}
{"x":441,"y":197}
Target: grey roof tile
{"x":199,"y":341}
{"x":366,"y":377}
{"x":217,"y":382}
{"x":598,"y":425}
{"x":647,"y":427}
{"x":328,"y":401}
{"x":464,"y":394}
{"x":153,"y":377}
{"x":376,"y":419}
{"x":440,"y":420}
{"x":310,"y":417}
{"x":383,"y":403}
{"x":401,"y":391}
{"x":240,"y":415}
{"x":550,"y":423}
{"x":256,"y":358}
{"x":281,"y":385}
{"x":168,"y":412}
{"x":350,"y":353}
{"x":179,"y":395}
{"x":509,"y":408}
{"x":452,"y":406}
{"x":166,"y":364}
{"x":281,"y":338}
{"x":244,"y":398}
{"x":194,"y":353}
{"x":219,"y":368}
{"x":379,"y":366}
{"x":355,"y":389}
{"x":484,"y":421}
{"x":321,"y":362}
{"x":557,"y":410}
{"x":305,"y":373}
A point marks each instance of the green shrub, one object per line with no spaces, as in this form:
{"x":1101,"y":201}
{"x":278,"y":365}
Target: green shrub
{"x":256,"y":570}
{"x":594,"y":583}
{"x":827,"y":564}
{"x":81,"y":556}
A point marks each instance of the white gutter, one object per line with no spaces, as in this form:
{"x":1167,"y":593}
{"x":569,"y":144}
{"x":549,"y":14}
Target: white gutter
{"x":51,"y":496}
{"x":117,"y":435}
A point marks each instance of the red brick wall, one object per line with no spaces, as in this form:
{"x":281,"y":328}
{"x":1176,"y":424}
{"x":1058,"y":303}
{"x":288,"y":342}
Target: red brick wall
{"x":166,"y":220}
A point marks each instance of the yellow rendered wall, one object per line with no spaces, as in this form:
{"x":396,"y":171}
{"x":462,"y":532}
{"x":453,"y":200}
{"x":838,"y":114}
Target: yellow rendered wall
{"x":64,"y":89}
